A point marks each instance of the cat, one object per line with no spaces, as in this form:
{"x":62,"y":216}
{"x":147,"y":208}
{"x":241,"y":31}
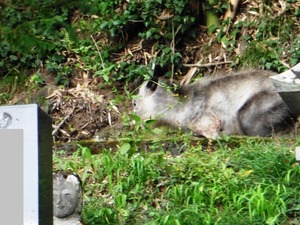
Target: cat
{"x":244,"y":103}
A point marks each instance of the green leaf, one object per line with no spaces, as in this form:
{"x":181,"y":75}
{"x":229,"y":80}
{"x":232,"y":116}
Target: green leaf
{"x":103,"y":6}
{"x":117,"y":22}
{"x":150,"y":122}
{"x":136,"y":118}
{"x":157,"y":131}
{"x":13,"y":57}
{"x":124,"y":148}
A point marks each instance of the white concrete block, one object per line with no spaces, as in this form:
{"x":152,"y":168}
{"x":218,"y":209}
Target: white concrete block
{"x":297,"y":153}
{"x":36,"y":166}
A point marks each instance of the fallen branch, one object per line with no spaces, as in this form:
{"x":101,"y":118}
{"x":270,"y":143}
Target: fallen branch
{"x":98,"y":50}
{"x":230,"y":13}
{"x":172,"y":45}
{"x":232,"y":8}
{"x":207,"y":64}
{"x":62,"y":122}
{"x":194,"y":69}
{"x":187,"y":78}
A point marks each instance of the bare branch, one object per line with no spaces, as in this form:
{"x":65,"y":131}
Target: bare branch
{"x":231,"y":11}
{"x":207,"y":64}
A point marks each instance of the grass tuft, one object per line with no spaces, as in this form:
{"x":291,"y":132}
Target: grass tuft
{"x":253,"y":182}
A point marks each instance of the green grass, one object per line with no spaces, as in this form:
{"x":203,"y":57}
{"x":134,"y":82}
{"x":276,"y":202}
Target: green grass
{"x":253,"y":181}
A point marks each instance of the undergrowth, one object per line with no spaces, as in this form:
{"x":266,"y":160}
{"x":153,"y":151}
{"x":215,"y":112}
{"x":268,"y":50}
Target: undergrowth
{"x":252,"y":181}
{"x":66,"y":38}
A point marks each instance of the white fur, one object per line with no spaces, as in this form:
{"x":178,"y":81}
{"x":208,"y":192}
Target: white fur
{"x":214,"y":104}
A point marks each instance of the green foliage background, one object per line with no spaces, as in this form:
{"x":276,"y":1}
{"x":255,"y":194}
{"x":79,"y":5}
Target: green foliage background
{"x":47,"y":34}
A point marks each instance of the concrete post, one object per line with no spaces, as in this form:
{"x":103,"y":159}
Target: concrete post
{"x":26,"y":154}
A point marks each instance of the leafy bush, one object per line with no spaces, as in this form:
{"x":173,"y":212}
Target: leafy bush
{"x":50,"y":33}
{"x":117,"y":20}
{"x":30,"y":30}
{"x":161,"y":24}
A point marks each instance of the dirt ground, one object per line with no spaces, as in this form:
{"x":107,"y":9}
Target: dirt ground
{"x":81,"y":113}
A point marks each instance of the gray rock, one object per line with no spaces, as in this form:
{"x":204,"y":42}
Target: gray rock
{"x":287,"y":85}
{"x":71,"y":220}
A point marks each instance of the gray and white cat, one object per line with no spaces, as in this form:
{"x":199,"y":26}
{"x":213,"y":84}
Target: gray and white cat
{"x":245,"y":103}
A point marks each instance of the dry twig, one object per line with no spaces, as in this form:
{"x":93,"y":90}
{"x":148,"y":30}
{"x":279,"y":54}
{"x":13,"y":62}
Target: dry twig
{"x":207,"y":64}
{"x":62,"y":122}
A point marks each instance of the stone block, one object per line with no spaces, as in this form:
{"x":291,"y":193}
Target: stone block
{"x":26,"y":140}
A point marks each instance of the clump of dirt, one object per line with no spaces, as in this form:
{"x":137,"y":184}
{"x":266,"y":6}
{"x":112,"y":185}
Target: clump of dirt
{"x":79,"y":113}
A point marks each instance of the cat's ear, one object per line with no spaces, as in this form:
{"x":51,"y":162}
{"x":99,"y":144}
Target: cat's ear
{"x":159,"y":71}
{"x":152,"y":84}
